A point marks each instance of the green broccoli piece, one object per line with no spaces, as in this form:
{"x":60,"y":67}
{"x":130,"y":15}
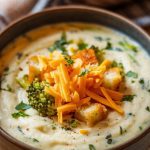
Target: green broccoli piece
{"x":39,"y":100}
{"x":23,"y":82}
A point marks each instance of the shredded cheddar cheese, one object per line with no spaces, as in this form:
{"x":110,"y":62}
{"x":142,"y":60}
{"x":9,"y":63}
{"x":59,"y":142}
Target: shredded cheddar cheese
{"x":73,"y":89}
{"x":84,"y":132}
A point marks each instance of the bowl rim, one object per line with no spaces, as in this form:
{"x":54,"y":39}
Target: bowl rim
{"x":21,"y":144}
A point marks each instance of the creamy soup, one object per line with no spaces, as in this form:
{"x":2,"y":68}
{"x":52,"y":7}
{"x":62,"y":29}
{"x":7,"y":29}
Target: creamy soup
{"x":26,"y":123}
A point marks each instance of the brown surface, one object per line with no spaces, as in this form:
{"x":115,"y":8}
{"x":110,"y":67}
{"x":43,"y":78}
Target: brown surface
{"x":132,"y":9}
{"x":5,"y":145}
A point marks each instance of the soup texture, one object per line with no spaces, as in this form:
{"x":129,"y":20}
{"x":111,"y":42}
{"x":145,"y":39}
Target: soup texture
{"x":74,"y":86}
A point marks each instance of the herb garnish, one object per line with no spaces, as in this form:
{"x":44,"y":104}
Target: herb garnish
{"x":82,"y":45}
{"x":66,"y":128}
{"x":99,"y":53}
{"x":121,"y":130}
{"x":142,"y":82}
{"x":92,"y":147}
{"x":69,"y":60}
{"x":116,"y":64}
{"x":144,"y":85}
{"x":109,"y":141}
{"x":132,"y":74}
{"x":109,"y":138}
{"x":120,"y":65}
{"x":53,"y":127}
{"x":35,"y":140}
{"x":20,"y":129}
{"x":84,"y":72}
{"x":73,"y":123}
{"x":140,"y":128}
{"x":128,"y":46}
{"x":130,"y":114}
{"x":19,"y":114}
{"x":128,"y":98}
{"x":148,"y":108}
{"x":109,"y":45}
{"x":23,"y":82}
{"x":60,"y":44}
{"x":8,"y":89}
{"x":22,"y":106}
{"x":98,"y":38}
{"x":133,"y":59}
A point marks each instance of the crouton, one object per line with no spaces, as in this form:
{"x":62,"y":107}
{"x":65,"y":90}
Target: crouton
{"x":91,"y":114}
{"x":112,"y":78}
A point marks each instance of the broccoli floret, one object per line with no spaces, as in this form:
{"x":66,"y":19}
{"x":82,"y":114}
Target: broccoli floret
{"x":39,"y":100}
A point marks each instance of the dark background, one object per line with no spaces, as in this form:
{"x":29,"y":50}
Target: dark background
{"x":136,"y":10}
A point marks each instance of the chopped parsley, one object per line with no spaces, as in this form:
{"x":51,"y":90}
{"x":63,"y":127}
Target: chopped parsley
{"x":69,"y":60}
{"x":120,"y":65}
{"x":35,"y":140}
{"x":53,"y":127}
{"x":148,"y":108}
{"x":60,"y":44}
{"x":84,"y":72}
{"x":19,"y":114}
{"x":142,"y":82}
{"x":92,"y":147}
{"x":133,"y":59}
{"x":109,"y":45}
{"x":73,"y":123}
{"x":8,"y":89}
{"x":130,"y":114}
{"x":128,"y":98}
{"x":23,"y":82}
{"x":99,"y":53}
{"x":121,"y":130}
{"x":20,"y":129}
{"x":116,"y":64}
{"x":140,"y":128}
{"x":144,"y":85}
{"x":128,"y":46}
{"x":98,"y":38}
{"x":22,"y":106}
{"x":108,"y":136}
{"x":82,"y":45}
{"x":66,"y":128}
{"x":132,"y":74}
{"x":109,"y":141}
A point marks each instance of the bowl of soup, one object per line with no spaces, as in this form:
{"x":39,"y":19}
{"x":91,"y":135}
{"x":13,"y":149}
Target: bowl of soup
{"x":74,"y":78}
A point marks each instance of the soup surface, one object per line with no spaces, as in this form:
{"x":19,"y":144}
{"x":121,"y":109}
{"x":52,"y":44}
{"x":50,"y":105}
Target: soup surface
{"x":128,"y":74}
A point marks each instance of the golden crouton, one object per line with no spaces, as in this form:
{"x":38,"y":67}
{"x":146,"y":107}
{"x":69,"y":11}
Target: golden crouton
{"x":112,"y":78}
{"x":91,"y":114}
